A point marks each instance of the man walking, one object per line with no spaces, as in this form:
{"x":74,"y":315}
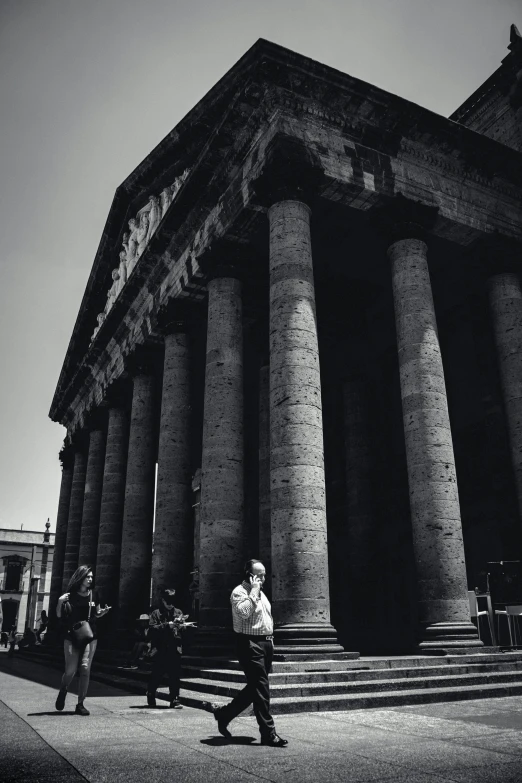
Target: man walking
{"x":254,"y":627}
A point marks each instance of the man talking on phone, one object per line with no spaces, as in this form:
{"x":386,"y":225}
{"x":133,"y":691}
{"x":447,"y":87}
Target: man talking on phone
{"x":254,"y":628}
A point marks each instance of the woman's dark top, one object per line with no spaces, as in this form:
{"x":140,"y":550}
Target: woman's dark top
{"x":76,"y":609}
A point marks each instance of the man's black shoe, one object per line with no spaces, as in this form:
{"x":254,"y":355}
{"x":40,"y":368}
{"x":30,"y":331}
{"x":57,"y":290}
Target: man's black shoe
{"x":151,"y":699}
{"x":221,"y":724}
{"x":275,"y":741}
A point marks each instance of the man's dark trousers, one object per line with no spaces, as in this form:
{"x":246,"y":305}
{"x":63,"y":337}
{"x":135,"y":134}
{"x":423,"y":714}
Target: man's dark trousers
{"x":167,"y":660}
{"x":255,"y":658}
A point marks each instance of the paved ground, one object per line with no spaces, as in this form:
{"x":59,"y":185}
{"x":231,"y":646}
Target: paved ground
{"x":123,"y":740}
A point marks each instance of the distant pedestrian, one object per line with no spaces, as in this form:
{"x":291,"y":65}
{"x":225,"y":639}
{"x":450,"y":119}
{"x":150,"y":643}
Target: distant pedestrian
{"x":254,"y":628}
{"x":12,"y":642}
{"x":76,"y":605}
{"x":165,"y":626}
{"x":41,"y":625}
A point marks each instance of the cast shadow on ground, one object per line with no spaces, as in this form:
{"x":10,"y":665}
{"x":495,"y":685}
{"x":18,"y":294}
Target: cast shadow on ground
{"x":218,"y":741}
{"x":49,"y":675}
{"x":146,"y":707}
{"x":53,"y":713}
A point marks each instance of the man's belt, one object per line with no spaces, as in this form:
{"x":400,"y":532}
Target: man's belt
{"x":257,"y":637}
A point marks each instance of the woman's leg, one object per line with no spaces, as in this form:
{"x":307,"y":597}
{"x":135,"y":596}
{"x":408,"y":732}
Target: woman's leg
{"x":71,"y":664}
{"x":85,"y":670}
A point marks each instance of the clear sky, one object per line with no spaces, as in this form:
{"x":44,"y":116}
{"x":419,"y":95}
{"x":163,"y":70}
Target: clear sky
{"x":89,"y":87}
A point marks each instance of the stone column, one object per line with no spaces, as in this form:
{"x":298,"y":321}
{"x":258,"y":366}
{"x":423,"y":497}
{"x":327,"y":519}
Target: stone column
{"x":74,"y":527}
{"x":93,"y":492}
{"x":138,"y":513}
{"x":221,"y":519}
{"x":173,"y":532}
{"x":62,"y":519}
{"x":300,"y":582}
{"x":112,"y":501}
{"x":265,"y":545}
{"x":434,"y":501}
{"x":505,"y":298}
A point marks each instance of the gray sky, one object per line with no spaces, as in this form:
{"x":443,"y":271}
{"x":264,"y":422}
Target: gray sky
{"x":89,"y":87}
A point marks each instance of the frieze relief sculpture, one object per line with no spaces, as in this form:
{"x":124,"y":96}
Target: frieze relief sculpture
{"x":134,"y":242}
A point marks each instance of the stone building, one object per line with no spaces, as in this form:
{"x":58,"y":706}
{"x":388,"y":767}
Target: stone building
{"x":310,"y":293}
{"x":26,"y":559}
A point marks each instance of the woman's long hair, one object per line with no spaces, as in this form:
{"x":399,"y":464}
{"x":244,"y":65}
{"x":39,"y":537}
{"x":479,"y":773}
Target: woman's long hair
{"x":77,"y":578}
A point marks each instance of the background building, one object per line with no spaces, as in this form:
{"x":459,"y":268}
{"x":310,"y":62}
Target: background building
{"x":26,"y":561}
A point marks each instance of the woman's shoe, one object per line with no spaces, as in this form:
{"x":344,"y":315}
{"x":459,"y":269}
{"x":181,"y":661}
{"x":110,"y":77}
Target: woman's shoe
{"x":81,"y":710}
{"x":175,"y":705}
{"x":60,"y":700}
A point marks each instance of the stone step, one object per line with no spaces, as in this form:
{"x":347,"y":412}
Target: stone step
{"x":357,"y":701}
{"x":289,"y":678}
{"x":299,"y":689}
{"x":382,"y":682}
{"x":362,"y":664}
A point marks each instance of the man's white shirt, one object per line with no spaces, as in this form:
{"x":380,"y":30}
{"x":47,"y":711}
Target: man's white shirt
{"x":251,"y":611}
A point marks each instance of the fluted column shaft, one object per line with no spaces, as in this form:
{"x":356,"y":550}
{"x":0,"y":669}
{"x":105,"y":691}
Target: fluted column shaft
{"x":222,"y":464}
{"x":138,"y":513}
{"x":74,"y":527}
{"x":92,"y":498}
{"x":111,"y":506}
{"x":60,"y":539}
{"x":434,"y":501}
{"x":173,"y":532}
{"x":505,"y":298}
{"x":300,"y":584}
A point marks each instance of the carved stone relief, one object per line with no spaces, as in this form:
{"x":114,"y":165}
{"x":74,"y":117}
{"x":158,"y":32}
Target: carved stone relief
{"x":141,"y":229}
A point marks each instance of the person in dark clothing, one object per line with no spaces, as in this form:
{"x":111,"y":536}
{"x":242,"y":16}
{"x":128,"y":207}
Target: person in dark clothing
{"x":77,"y":604}
{"x":165,"y":626}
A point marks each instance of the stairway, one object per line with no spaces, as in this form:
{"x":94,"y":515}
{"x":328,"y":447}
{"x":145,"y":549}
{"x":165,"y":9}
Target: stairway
{"x":307,"y":686}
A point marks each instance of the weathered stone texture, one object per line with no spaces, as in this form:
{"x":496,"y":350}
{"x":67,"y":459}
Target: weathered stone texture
{"x":265,"y":551}
{"x":222,"y":502}
{"x":505,"y":296}
{"x":92,"y":498}
{"x":111,"y":506}
{"x":434,"y":506}
{"x":74,"y":526}
{"x":138,"y":513}
{"x":60,"y":539}
{"x":297,"y":487}
{"x":173,"y":533}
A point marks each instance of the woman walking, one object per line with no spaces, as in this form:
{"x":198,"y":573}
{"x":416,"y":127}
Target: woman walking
{"x":76,"y":605}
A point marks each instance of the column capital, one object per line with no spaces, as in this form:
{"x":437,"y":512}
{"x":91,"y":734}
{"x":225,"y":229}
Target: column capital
{"x":144,"y":360}
{"x":177,"y":315}
{"x":96,"y":418}
{"x":403,"y":218}
{"x":118,"y":394}
{"x":291,"y":173}
{"x":224,"y":258}
{"x":497,"y":254}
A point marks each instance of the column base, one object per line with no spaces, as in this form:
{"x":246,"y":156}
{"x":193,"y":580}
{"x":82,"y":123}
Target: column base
{"x":309,"y":641}
{"x":444,"y":638}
